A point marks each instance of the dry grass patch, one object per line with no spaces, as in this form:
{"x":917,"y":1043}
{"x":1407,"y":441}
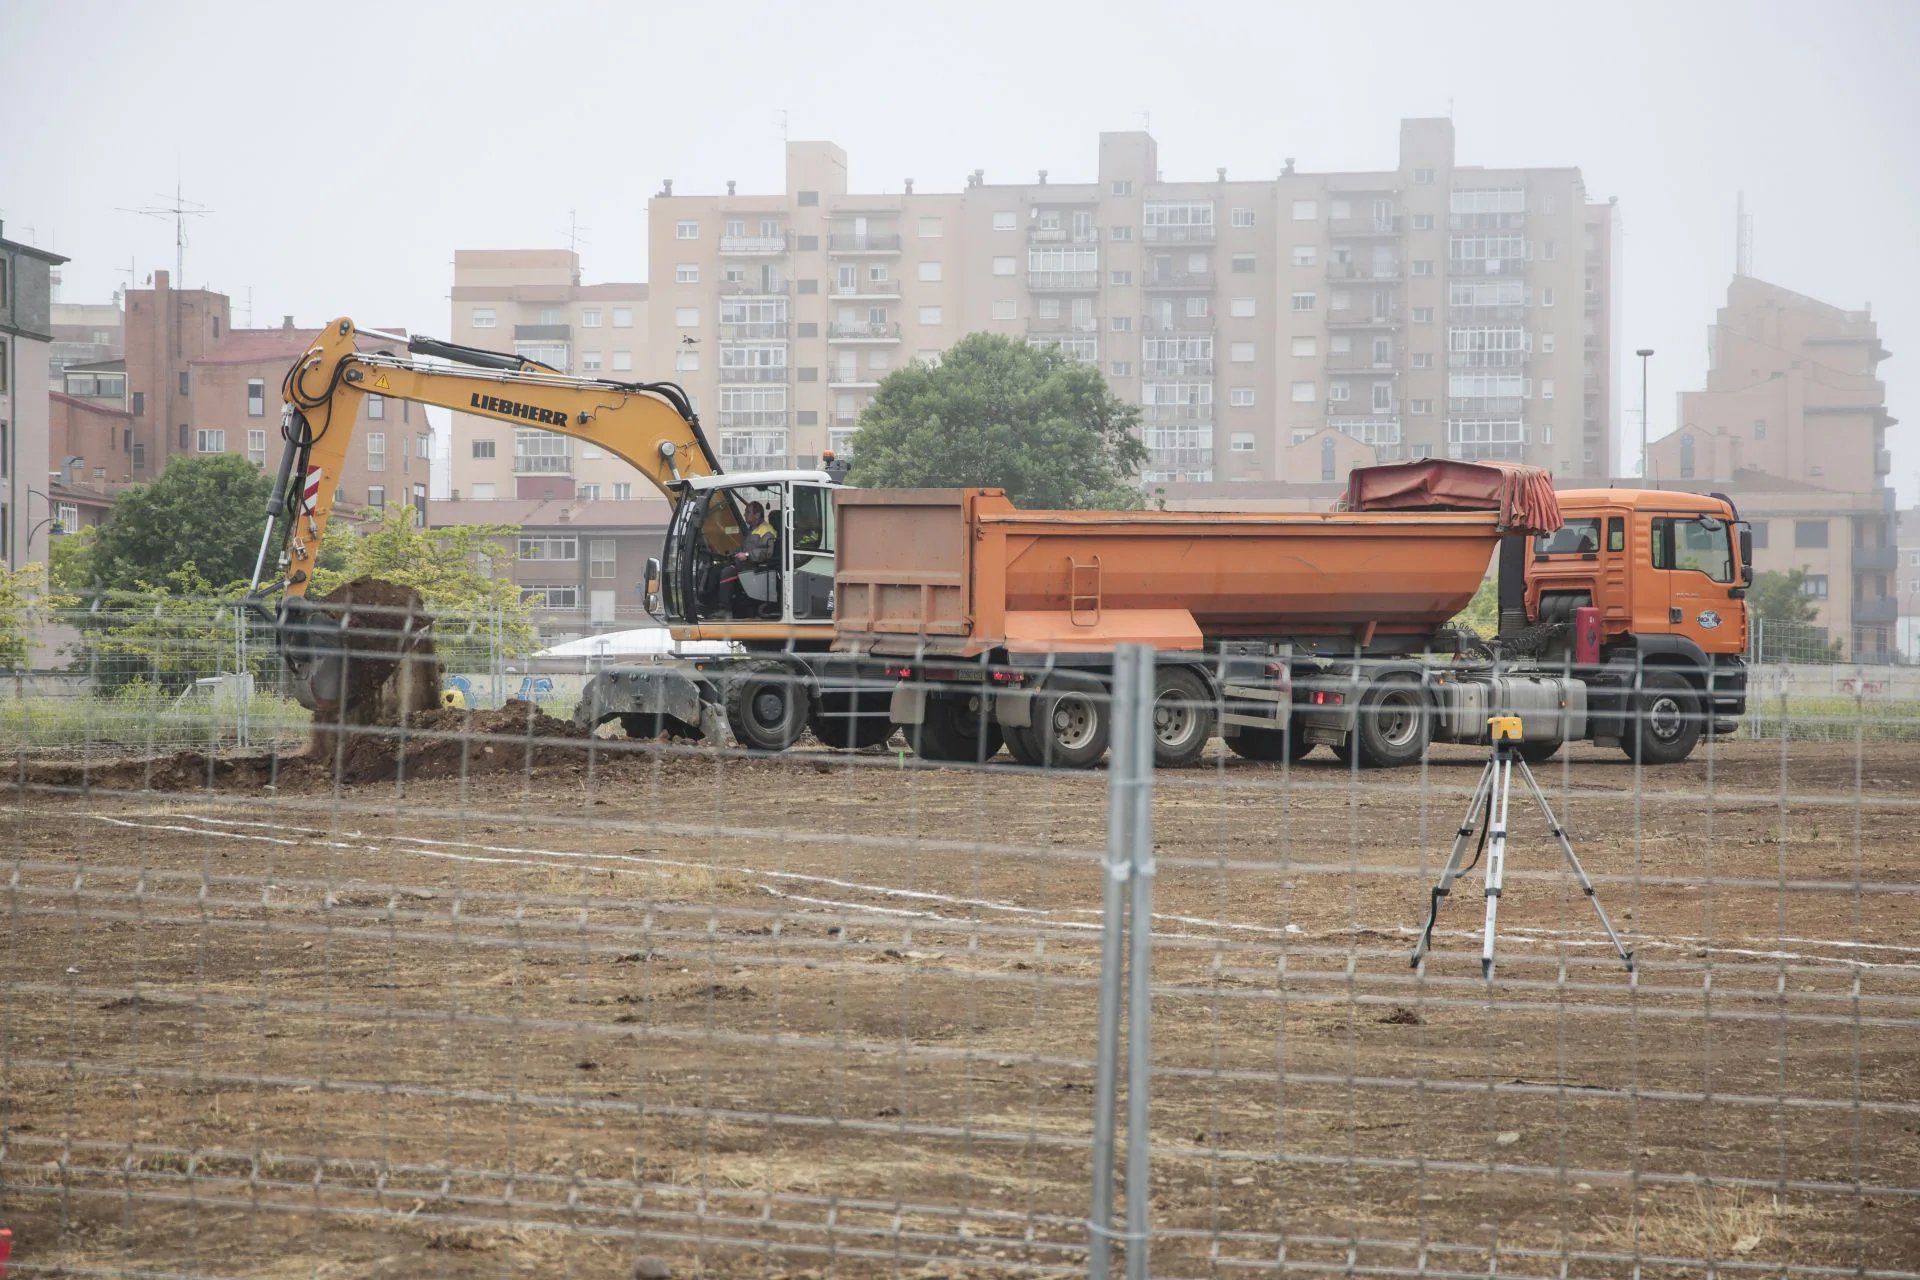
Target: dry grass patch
{"x":1707,"y":1222}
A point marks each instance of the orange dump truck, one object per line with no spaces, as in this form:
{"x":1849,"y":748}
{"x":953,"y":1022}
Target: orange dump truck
{"x":1287,"y":630}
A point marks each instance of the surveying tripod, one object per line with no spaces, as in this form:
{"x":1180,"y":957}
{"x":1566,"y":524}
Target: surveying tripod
{"x":1489,"y":803}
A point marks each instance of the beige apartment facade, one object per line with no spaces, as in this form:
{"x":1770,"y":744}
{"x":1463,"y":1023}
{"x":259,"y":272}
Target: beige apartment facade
{"x":531,"y":302}
{"x":1435,"y":309}
{"x":1793,"y":426}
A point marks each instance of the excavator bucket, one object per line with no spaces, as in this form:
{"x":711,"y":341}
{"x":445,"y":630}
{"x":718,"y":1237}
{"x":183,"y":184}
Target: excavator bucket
{"x":360,"y":655}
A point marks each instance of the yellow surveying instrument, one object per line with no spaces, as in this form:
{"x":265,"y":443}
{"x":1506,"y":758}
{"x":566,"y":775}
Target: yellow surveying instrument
{"x":1487,"y":814}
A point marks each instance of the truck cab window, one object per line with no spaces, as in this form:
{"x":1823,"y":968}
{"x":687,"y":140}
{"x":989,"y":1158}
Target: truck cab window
{"x":1616,"y":533}
{"x":1703,"y":545}
{"x":1574,"y":538}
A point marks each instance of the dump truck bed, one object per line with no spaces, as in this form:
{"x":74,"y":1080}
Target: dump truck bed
{"x":960,"y":572}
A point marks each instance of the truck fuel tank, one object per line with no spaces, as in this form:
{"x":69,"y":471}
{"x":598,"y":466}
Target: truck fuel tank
{"x":1551,"y":708}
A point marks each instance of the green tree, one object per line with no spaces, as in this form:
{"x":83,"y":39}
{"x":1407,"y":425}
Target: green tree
{"x":170,"y":633}
{"x":70,"y":561}
{"x":1482,"y":614}
{"x":20,"y":602}
{"x":998,"y":413}
{"x":1787,"y":620}
{"x":1781,"y":597}
{"x":454,"y":569}
{"x":208,"y":511}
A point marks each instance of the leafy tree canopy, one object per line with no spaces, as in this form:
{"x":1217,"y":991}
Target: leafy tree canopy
{"x":998,"y":413}
{"x":1781,"y":597}
{"x":206,"y":511}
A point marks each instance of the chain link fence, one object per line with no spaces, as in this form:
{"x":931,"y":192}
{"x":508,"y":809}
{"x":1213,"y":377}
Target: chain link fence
{"x":487,"y":994}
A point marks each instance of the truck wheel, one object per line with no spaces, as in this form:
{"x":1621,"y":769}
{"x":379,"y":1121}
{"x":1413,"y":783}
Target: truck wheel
{"x":1539,"y":752}
{"x":1270,"y":744}
{"x":766,"y":705}
{"x":1070,"y":721}
{"x":1020,"y":745}
{"x":834,"y":723}
{"x":1182,"y":717}
{"x":645,"y":726}
{"x":1667,"y":720}
{"x":952,"y":731}
{"x":1392,"y":731}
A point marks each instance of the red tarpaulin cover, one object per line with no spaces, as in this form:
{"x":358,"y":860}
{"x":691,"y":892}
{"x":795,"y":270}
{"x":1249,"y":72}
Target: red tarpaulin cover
{"x":1523,"y":495}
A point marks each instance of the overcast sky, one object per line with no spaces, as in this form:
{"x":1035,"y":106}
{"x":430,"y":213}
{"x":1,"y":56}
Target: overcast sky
{"x":345,"y":153}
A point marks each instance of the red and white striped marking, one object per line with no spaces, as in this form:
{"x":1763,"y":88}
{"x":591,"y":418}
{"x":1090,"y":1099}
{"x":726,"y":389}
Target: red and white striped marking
{"x":311,"y":497}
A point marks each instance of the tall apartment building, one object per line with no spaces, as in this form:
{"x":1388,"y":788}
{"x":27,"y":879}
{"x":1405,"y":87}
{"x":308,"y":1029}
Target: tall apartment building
{"x":1265,"y":327}
{"x":531,"y":302}
{"x":1792,"y":425}
{"x":26,"y":335}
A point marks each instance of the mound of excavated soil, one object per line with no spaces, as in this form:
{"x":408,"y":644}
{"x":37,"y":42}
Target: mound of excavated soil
{"x":445,"y":742}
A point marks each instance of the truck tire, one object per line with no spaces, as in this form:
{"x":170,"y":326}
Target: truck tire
{"x":766,"y":705}
{"x":1393,"y":724}
{"x":1071,"y":721}
{"x":1666,"y":719}
{"x":1020,"y":745}
{"x":1182,"y":717}
{"x":646,"y":726}
{"x":1539,"y":752}
{"x":953,"y":731}
{"x":832,"y":721}
{"x":1270,"y":744}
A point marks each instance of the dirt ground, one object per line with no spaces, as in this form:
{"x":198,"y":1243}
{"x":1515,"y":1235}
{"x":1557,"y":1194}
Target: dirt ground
{"x":834,"y":1015}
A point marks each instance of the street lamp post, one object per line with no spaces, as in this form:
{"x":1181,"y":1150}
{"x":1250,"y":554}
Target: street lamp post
{"x":1643,"y":353}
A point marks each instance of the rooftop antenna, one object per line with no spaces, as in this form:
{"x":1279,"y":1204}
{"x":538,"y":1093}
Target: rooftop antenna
{"x":783,"y":125}
{"x":249,"y":307}
{"x":1742,"y":238}
{"x":575,"y":240}
{"x":180,"y":210}
{"x":1146,"y":121}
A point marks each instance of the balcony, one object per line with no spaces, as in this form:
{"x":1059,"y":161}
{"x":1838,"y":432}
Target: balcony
{"x":753,"y":373}
{"x":850,"y":380}
{"x":1178,"y":324}
{"x":1184,"y":234}
{"x":1358,"y":362}
{"x":1037,"y":234}
{"x":1176,"y":368}
{"x":1487,"y":266}
{"x":1374,"y":429}
{"x":1486,"y":221}
{"x":1362,"y":320}
{"x":754,"y":288}
{"x":745,"y":330}
{"x":1160,"y":459}
{"x":1063,"y":281}
{"x":753,"y":418}
{"x":1176,"y":413}
{"x":1367,"y":226}
{"x":1356,"y":411}
{"x":868,"y":289}
{"x":883,"y":332}
{"x":1882,"y":461}
{"x":1884,"y":559}
{"x":542,"y":333}
{"x":1360,"y":271}
{"x":752,"y":246}
{"x":1487,"y":315}
{"x":1883,"y":609}
{"x":1485,"y":406}
{"x":1174,"y":281}
{"x":1486,"y":359}
{"x":542,"y":464}
{"x":754,"y":462}
{"x":872,"y":242}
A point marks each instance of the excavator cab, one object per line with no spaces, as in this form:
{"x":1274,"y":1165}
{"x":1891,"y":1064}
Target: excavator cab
{"x":750,"y":548}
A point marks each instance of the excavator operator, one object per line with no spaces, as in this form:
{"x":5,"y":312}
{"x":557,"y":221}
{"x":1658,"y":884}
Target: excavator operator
{"x":751,"y":583}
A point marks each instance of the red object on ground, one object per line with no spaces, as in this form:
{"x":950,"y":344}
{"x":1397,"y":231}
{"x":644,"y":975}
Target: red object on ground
{"x":1586,"y":636}
{"x":1523,"y":495}
{"x":6,"y":1250}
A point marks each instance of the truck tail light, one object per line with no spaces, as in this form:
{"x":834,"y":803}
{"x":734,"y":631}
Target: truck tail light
{"x":1324,"y":698}
{"x":899,"y":673}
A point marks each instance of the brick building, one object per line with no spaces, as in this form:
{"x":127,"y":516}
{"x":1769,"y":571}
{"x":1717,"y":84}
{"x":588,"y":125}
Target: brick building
{"x":1792,"y":425}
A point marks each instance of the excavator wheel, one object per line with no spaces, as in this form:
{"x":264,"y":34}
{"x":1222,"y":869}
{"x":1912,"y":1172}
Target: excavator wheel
{"x":766,"y":705}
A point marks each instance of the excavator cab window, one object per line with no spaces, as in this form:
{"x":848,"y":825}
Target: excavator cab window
{"x":812,"y":542}
{"x":727,"y":543}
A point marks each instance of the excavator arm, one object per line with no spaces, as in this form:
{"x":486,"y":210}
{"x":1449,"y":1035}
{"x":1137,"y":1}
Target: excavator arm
{"x":650,"y":425}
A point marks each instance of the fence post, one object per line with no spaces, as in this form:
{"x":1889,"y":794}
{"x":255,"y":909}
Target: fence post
{"x":1129,"y":866}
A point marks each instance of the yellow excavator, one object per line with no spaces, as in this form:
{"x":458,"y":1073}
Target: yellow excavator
{"x":765,"y":585}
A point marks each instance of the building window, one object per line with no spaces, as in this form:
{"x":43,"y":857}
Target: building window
{"x":483,"y":449}
{"x":1242,"y":263}
{"x":1304,"y":345}
{"x":1423,"y":315}
{"x":1123,"y":278}
{"x":622,"y":490}
{"x":549,"y":547}
{"x":686,"y":231}
{"x":1241,"y":442}
{"x":686,"y":360}
{"x":589,"y":362}
{"x":1243,"y":217}
{"x":1003,"y":221}
{"x":1423,"y":222}
{"x":623,"y":317}
{"x":1121,"y":324}
{"x":139,"y":456}
{"x":808,"y":199}
{"x":1546,"y":344}
{"x":1546,"y":393}
{"x":600,"y":557}
{"x":929,"y":315}
{"x":484,"y":318}
{"x":1303,"y":302}
{"x":1122,"y":187}
{"x":1005,"y":308}
{"x":1419,"y":407}
{"x":1123,"y":368}
{"x":1199,"y":305}
{"x":1339,"y":392}
{"x":929,"y":271}
{"x":1423,"y":360}
{"x":376,"y":407}
{"x":257,"y":447}
{"x":1326,"y":459}
{"x":212,"y":441}
{"x":1242,"y":353}
{"x":687,"y":273}
{"x":1809,"y":533}
{"x":1306,"y":210}
{"x":622,"y":361}
{"x":184,"y":387}
{"x":1814,"y":586}
{"x":256,"y":397}
{"x":1759,"y":432}
{"x":931,"y":229}
{"x":376,"y":451}
{"x":1240,"y":308}
{"x":1121,"y":233}
{"x":1005,"y":266}
{"x":1546,"y":296}
{"x":555,"y":596}
{"x":1303,"y":393}
{"x":1423,"y":175}
{"x":687,"y":317}
{"x":1423,"y":266}
{"x":590,"y":318}
{"x":139,"y":397}
{"x":377,"y":497}
{"x":1305,"y":255}
{"x":480,"y":493}
{"x":1546,"y":251}
{"x":1241,"y":397}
